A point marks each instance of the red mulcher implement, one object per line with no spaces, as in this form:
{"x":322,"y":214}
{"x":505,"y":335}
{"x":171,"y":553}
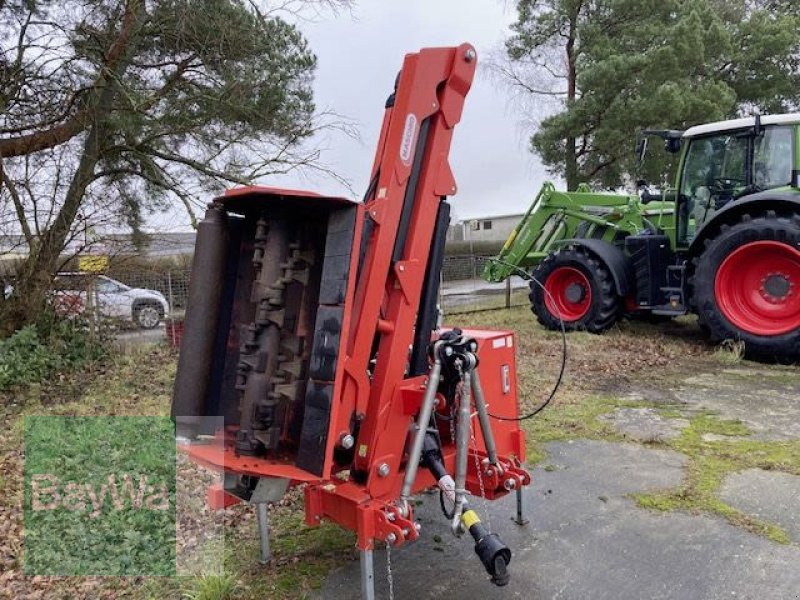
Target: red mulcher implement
{"x":312,"y":331}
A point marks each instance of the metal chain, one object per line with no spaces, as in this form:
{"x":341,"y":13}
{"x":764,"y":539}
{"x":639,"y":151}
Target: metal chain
{"x":479,"y":468}
{"x":389,"y":570}
{"x":453,"y":408}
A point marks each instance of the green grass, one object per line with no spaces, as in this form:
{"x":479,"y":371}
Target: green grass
{"x":730,"y":352}
{"x":213,"y":587}
{"x":141,"y":384}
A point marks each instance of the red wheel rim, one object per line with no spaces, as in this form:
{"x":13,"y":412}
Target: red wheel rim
{"x":569,"y":294}
{"x":757,"y":288}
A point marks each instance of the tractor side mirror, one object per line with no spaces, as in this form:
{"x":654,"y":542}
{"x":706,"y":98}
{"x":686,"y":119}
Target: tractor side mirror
{"x":673,"y":145}
{"x":641,"y":149}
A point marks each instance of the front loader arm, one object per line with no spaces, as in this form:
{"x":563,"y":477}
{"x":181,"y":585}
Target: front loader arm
{"x":522,"y":238}
{"x":555,"y":216}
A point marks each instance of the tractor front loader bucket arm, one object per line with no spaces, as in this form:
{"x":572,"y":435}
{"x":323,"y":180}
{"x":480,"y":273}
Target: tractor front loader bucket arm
{"x":554,"y":218}
{"x":522,"y":238}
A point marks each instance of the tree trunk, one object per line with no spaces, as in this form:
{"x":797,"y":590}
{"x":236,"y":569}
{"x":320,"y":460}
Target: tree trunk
{"x":570,"y":156}
{"x":36,"y":274}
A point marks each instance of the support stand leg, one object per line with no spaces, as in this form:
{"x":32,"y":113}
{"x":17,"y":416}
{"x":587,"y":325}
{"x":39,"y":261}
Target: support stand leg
{"x":263,"y":532}
{"x":367,"y":575}
{"x":520,"y":518}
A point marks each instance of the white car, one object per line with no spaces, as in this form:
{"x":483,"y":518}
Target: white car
{"x":146,"y":308}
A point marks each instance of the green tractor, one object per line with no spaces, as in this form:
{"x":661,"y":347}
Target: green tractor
{"x":724,"y":243}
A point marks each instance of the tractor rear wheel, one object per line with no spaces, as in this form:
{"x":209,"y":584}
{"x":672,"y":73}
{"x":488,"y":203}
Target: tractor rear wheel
{"x":747,"y":285}
{"x":576,"y":288}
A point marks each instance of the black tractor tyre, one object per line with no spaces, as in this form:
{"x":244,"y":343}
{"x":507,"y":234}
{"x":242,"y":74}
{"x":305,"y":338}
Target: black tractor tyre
{"x":581,"y":285}
{"x":751,"y":245}
{"x":147,"y":314}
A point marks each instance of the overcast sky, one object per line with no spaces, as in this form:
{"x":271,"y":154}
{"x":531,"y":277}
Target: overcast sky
{"x":359,"y":54}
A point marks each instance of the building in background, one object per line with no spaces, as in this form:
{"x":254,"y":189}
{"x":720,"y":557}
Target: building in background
{"x":154,"y":245}
{"x":494,"y":228}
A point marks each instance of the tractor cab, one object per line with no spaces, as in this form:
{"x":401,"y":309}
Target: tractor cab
{"x":725,"y":161}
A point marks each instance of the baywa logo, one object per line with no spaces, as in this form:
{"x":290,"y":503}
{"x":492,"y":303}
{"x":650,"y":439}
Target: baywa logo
{"x":130,"y":492}
{"x":99,"y":496}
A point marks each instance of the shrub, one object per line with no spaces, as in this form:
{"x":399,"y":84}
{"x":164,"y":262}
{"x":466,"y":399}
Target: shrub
{"x":38,"y":352}
{"x":23,"y":358}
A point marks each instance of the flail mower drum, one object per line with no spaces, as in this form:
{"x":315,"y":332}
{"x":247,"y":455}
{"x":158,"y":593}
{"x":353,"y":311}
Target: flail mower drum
{"x":312,"y":332}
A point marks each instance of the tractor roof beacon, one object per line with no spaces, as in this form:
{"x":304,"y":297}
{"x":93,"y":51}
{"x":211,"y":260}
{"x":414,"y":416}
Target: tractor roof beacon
{"x":723,"y":241}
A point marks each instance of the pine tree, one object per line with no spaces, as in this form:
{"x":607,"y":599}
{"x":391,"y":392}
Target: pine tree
{"x":649,"y":64}
{"x":119,"y":107}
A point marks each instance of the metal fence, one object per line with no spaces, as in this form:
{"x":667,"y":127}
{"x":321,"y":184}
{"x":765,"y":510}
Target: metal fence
{"x":464,"y":290}
{"x":131,"y":305}
{"x":139,"y":303}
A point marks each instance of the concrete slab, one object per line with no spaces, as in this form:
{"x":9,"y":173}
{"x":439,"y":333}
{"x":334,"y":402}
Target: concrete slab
{"x":768,"y":495}
{"x":645,"y":424}
{"x":764,"y":400}
{"x":647,"y":393}
{"x":587,"y":540}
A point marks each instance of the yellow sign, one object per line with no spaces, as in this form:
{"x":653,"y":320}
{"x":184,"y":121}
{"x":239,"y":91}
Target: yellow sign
{"x":93,"y":264}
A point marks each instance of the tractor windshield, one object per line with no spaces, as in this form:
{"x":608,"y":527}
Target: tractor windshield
{"x":720,"y":168}
{"x":772,"y":158}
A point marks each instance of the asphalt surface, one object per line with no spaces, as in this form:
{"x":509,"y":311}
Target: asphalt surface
{"x":127,"y":340}
{"x":770,"y":496}
{"x":767,"y":401}
{"x":470,"y":287}
{"x":587,"y":539}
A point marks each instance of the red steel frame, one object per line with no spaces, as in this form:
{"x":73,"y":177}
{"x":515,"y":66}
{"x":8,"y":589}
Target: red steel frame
{"x":384,"y":302}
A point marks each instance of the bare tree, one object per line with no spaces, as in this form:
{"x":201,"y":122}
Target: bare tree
{"x":110,"y":109}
